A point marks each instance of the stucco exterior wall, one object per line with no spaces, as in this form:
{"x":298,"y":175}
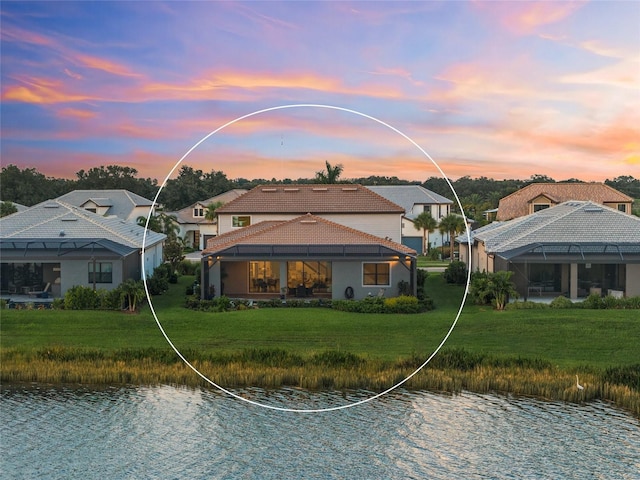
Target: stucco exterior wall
{"x":76,"y":272}
{"x":633,"y":280}
{"x":381,"y":225}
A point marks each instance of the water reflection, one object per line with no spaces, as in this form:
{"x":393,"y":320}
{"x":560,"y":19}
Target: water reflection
{"x":167,"y":432}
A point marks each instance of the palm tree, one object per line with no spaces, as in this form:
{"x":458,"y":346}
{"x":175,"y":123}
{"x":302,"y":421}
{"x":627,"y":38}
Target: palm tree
{"x":427,"y":224}
{"x":210,"y":215}
{"x":162,"y":223}
{"x":452,"y":224}
{"x":331,"y":175}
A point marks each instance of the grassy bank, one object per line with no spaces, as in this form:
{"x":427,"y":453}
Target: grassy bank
{"x":525,"y":352}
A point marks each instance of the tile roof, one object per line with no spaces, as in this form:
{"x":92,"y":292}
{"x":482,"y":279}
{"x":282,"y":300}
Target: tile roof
{"x":310,"y":198}
{"x":303,"y":230}
{"x":517,"y":204}
{"x":55,"y":219}
{"x":570,"y":222}
{"x":121,"y":202}
{"x":409,"y":195}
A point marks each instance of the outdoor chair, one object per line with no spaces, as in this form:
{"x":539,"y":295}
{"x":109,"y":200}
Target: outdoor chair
{"x":40,"y":293}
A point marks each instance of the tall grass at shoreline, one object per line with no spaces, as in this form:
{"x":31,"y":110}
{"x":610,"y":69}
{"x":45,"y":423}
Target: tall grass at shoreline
{"x":453,"y":371}
{"x":529,"y":353}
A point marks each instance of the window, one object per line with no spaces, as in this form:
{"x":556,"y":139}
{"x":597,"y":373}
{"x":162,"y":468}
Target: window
{"x":376,"y":274}
{"x":241,"y":221}
{"x":198,"y":212}
{"x":311,"y":274}
{"x":264,"y":276}
{"x":92,"y":210}
{"x":622,"y":207}
{"x":540,"y":206}
{"x":103,"y":272}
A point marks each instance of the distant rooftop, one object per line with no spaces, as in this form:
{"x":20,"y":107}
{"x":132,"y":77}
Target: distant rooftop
{"x":310,"y":198}
{"x":409,"y":195}
{"x":517,"y":204}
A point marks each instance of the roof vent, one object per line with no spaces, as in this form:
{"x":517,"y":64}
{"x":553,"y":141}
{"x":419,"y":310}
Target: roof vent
{"x":269,"y":189}
{"x":349,"y":189}
{"x":69,"y":219}
{"x":308,"y":221}
{"x":320,"y":189}
{"x":291,"y":189}
{"x":61,"y":234}
{"x":51,"y":205}
{"x":593,"y":208}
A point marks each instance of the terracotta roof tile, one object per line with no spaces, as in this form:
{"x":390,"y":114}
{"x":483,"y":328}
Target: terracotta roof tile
{"x":304,"y":230}
{"x":310,"y":198}
{"x":517,"y":204}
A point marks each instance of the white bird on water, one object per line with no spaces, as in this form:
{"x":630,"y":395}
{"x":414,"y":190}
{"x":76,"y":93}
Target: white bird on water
{"x":580,"y":387}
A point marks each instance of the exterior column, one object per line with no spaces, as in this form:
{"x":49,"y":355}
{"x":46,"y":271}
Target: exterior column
{"x":573,"y":281}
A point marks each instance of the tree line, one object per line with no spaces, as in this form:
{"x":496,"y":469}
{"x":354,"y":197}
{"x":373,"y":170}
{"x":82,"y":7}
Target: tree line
{"x":28,"y":187}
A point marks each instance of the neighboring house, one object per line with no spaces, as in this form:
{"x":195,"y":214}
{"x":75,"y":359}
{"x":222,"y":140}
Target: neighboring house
{"x":351,"y":205}
{"x":538,"y":196}
{"x":572,"y":249}
{"x":415,"y":200}
{"x":195,"y":229}
{"x":306,"y":256}
{"x":123,"y":204}
{"x":57,"y":245}
{"x":329,"y":241}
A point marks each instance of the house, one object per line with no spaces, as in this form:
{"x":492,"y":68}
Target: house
{"x":195,"y":229}
{"x":415,"y":200}
{"x":575,"y":248}
{"x":351,"y":205}
{"x":331,"y":241}
{"x":61,"y":245}
{"x":538,"y":196}
{"x":306,"y":256}
{"x":123,"y":204}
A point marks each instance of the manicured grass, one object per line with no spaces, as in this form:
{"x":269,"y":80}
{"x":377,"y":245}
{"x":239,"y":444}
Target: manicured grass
{"x":423,"y":261}
{"x":567,"y":338}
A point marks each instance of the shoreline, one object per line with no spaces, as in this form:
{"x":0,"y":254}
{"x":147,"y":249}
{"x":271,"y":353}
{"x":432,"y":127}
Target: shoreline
{"x":544,"y":382}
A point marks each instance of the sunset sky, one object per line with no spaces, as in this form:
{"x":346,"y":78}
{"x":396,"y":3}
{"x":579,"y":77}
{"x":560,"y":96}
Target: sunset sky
{"x":497,"y":89}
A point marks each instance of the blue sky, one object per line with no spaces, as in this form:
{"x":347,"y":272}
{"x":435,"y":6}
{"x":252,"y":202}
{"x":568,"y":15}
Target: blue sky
{"x":501,"y":89}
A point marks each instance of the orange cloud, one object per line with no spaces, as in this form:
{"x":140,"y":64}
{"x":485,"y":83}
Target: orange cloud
{"x":77,"y":113}
{"x":105,"y":65}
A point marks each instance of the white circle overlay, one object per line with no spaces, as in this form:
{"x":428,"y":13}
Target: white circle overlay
{"x":304,"y":410}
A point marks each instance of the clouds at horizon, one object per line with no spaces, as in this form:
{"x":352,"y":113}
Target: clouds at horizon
{"x":500,"y":89}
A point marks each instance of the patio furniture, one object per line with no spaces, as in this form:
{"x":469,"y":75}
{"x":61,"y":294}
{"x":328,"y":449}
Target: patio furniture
{"x":40,"y":293}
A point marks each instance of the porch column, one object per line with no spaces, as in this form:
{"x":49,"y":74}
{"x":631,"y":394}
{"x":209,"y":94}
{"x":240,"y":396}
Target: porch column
{"x":573,"y":281}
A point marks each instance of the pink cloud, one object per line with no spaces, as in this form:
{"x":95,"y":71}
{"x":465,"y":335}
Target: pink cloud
{"x":524,"y":18}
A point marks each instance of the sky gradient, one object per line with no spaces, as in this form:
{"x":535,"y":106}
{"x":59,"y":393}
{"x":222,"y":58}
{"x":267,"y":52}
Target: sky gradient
{"x":496,"y":89}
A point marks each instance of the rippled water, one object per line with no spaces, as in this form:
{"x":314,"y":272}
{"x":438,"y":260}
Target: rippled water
{"x":166,"y":433}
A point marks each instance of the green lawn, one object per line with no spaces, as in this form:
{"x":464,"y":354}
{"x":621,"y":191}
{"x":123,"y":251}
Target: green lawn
{"x":568,"y":338}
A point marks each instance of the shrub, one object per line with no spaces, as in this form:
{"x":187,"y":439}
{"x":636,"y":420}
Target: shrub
{"x":110,"y":299}
{"x":3,"y":304}
{"x":479,"y":291}
{"x":495,"y":288}
{"x":401,"y":304}
{"x":631,"y":302}
{"x":57,"y":304}
{"x":593,"y":301}
{"x":81,"y":298}
{"x":187,"y":267}
{"x":421,"y":279}
{"x":561,"y":302}
{"x":456,"y":273}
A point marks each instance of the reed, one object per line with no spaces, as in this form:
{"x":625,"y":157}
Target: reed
{"x":453,"y":371}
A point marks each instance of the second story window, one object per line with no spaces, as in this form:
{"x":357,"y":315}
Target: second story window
{"x":198,"y":212}
{"x":241,"y":221}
